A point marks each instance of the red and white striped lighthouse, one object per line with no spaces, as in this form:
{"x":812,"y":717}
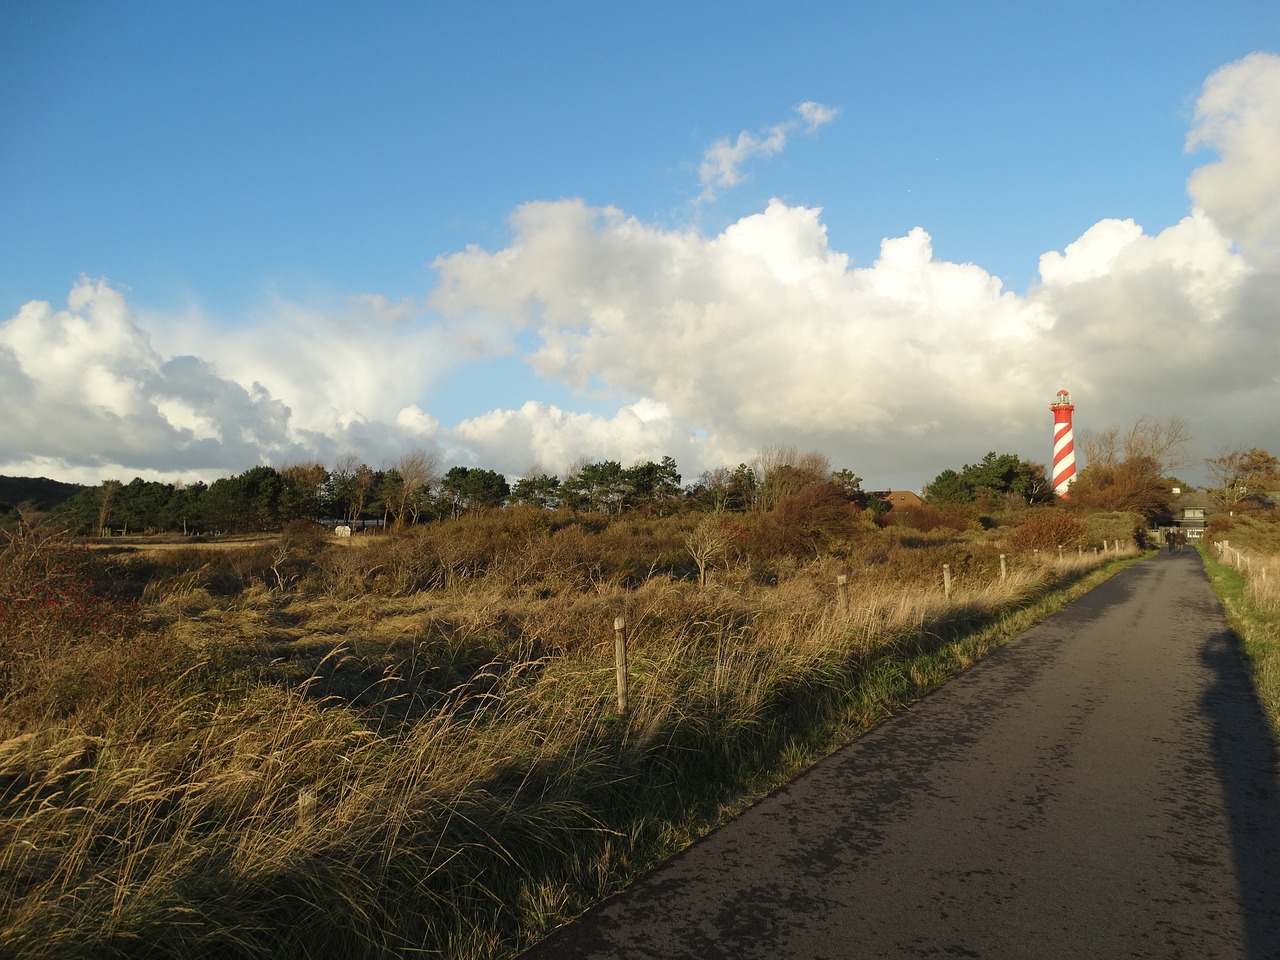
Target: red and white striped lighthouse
{"x":1064,"y":451}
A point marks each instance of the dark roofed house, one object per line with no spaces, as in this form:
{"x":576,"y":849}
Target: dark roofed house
{"x":1189,"y":512}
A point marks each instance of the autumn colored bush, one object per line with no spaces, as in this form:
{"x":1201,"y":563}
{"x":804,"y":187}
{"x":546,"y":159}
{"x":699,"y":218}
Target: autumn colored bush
{"x":816,"y":517}
{"x":926,"y":517}
{"x":1047,"y":530}
{"x":1114,"y":525}
{"x":52,"y":590}
{"x":66,"y":636}
{"x":1256,"y":532}
{"x":1134,"y":485}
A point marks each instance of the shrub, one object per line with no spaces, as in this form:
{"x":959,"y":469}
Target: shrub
{"x":1116,"y":525}
{"x":1047,"y":530}
{"x":65,"y":632}
{"x":304,"y":538}
{"x":925,"y":518}
{"x":803,"y":524}
{"x":1259,"y":533}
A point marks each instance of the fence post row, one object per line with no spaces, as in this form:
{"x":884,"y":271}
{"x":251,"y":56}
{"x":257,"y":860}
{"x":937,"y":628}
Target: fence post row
{"x":842,"y":594}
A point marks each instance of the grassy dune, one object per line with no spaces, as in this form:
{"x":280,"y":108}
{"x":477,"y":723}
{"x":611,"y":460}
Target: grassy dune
{"x":299,"y":748}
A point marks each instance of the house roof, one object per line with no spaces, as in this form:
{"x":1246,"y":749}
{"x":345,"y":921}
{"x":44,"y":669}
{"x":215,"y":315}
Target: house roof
{"x":898,"y":498}
{"x":1192,"y":498}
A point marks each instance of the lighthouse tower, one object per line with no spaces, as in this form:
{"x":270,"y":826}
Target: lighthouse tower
{"x":1064,"y":453}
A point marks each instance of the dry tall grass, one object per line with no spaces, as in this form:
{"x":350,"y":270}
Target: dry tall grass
{"x":1251,"y":547}
{"x":308,"y":750}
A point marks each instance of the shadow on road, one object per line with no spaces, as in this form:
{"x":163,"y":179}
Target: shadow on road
{"x":1246,"y":757}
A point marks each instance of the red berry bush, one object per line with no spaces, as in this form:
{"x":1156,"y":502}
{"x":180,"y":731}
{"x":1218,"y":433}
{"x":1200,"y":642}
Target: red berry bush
{"x":61,"y":626}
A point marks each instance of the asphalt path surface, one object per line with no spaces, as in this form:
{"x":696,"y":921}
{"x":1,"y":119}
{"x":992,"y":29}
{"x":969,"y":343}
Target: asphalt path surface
{"x":1103,"y":786}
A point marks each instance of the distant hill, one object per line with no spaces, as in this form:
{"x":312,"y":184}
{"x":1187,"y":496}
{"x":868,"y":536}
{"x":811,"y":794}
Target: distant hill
{"x":43,"y":492}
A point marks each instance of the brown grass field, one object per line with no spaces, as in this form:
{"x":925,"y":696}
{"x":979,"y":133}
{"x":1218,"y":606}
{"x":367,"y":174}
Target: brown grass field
{"x":294,"y":746}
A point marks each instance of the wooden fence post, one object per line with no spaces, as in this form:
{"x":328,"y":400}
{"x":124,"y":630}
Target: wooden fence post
{"x":1004,"y":571}
{"x":842,"y":591}
{"x":620,"y":659}
{"x":946,"y":580}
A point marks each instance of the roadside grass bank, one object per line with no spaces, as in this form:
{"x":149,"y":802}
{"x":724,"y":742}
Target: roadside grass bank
{"x":1248,"y":585}
{"x":295,"y":750}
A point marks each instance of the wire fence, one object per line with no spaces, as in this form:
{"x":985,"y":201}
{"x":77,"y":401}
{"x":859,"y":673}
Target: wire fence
{"x":1260,"y":572}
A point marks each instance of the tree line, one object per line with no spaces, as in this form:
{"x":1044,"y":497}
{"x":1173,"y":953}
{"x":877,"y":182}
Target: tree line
{"x":416,"y":490}
{"x":1131,"y":471}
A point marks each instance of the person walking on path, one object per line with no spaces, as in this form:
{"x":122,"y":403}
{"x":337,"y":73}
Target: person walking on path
{"x":1105,"y":785}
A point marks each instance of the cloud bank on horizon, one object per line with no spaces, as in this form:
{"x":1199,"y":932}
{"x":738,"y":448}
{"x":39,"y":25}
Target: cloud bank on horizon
{"x":706,"y":348}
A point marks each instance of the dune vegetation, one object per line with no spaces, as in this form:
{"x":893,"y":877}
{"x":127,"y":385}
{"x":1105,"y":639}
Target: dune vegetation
{"x":300,"y":746}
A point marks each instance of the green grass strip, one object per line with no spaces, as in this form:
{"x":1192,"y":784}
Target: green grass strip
{"x":1258,"y":630}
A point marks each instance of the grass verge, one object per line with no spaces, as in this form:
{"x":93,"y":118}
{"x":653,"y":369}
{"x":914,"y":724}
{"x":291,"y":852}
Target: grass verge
{"x":1254,"y":615}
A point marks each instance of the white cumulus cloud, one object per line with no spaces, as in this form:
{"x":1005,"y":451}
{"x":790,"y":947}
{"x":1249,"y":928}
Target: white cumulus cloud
{"x":1238,"y":116}
{"x":89,"y":396}
{"x":87,"y":389}
{"x":545,"y":434}
{"x":704,"y":347}
{"x":723,"y":161}
{"x":759,"y":331}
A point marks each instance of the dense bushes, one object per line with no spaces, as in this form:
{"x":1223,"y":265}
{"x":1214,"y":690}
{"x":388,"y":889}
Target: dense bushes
{"x":1258,"y":531}
{"x":804,"y":524}
{"x":1047,"y":530}
{"x":927,"y":517}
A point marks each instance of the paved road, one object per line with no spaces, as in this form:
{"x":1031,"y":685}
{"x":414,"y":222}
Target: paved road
{"x":1104,"y":786}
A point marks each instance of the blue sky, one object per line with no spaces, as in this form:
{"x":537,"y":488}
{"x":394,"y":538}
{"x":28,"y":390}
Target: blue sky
{"x":285,"y":196}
